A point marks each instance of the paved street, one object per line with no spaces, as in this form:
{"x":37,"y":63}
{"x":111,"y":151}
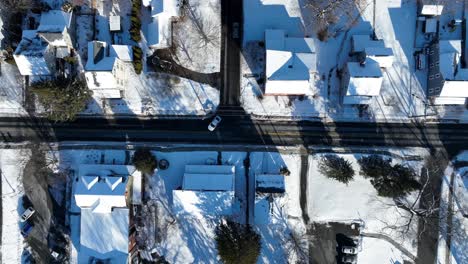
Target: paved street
{"x":239,"y":131}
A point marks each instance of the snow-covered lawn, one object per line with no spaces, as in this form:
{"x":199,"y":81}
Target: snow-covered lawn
{"x":12,"y":162}
{"x":285,"y":218}
{"x":11,"y":90}
{"x":159,"y":94}
{"x":197,"y":36}
{"x":332,"y":201}
{"x":457,"y":253}
{"x":379,"y":251}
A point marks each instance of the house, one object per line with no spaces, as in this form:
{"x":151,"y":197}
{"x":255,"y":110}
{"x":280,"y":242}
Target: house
{"x":107,"y":69}
{"x":364,"y":80}
{"x":269,"y":188}
{"x":447,"y":79}
{"x":289,"y":63}
{"x":159,"y":35}
{"x":207,"y":191}
{"x":40,"y":51}
{"x":374,"y":49}
{"x":101,"y":193}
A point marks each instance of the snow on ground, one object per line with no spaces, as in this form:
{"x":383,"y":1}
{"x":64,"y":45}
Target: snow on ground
{"x":329,"y":201}
{"x":197,"y":36}
{"x":286,"y":216}
{"x":159,"y":94}
{"x":459,"y":225}
{"x":403,"y":89}
{"x":11,"y":90}
{"x":379,"y":251}
{"x":12,"y":162}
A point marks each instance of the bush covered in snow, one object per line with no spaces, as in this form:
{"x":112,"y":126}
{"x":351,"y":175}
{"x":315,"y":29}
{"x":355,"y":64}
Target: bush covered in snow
{"x":237,"y":243}
{"x":388,"y":180}
{"x":61,"y":98}
{"x":144,"y":161}
{"x":337,"y":168}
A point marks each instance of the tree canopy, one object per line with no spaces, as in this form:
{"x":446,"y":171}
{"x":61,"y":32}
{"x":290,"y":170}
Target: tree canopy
{"x":337,"y":168}
{"x":61,"y":98}
{"x":144,"y":161}
{"x":237,"y":243}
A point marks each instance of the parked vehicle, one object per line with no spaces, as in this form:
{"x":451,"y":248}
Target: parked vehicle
{"x":212,"y":126}
{"x":349,"y":250}
{"x":235,"y":30}
{"x":26,"y":230}
{"x":349,"y":259}
{"x":27,"y":214}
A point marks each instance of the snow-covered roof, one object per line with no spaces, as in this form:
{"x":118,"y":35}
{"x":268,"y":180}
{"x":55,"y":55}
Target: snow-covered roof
{"x":31,"y":55}
{"x":123,"y":52}
{"x":102,"y":187}
{"x":365,"y":79}
{"x":289,"y":62}
{"x":102,"y":80}
{"x":101,"y":56}
{"x":209,"y":178}
{"x":361,"y":42}
{"x":166,"y":8}
{"x":114,"y":23}
{"x":105,"y":236}
{"x":269,"y":183}
{"x":54,"y":21}
{"x":456,"y":77}
{"x":432,"y":10}
{"x":159,"y":30}
{"x":200,"y":204}
{"x":136,"y":188}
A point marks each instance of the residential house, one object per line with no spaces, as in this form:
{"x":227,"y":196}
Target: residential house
{"x":374,"y":49}
{"x":101,"y":193}
{"x":107,"y":69}
{"x":207,"y":191}
{"x":41,"y":51}
{"x":363,"y":78}
{"x":363,"y":81}
{"x":159,"y":35}
{"x":447,"y":82}
{"x":268,"y":187}
{"x":290,"y":63}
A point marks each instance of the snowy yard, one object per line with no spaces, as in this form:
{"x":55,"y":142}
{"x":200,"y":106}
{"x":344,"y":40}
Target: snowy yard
{"x":197,"y":36}
{"x":331,"y":201}
{"x":159,"y":94}
{"x":11,"y":90}
{"x":459,"y":225}
{"x":12,"y":163}
{"x":284,"y":219}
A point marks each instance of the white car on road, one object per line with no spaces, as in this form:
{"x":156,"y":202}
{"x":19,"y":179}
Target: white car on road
{"x":212,"y":126}
{"x":27,"y":214}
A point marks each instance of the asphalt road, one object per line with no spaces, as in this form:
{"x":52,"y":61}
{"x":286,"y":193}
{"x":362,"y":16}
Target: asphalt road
{"x":239,"y":131}
{"x":231,"y":12}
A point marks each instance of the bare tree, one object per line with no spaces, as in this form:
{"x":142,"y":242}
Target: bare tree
{"x":326,"y":13}
{"x":421,"y":214}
